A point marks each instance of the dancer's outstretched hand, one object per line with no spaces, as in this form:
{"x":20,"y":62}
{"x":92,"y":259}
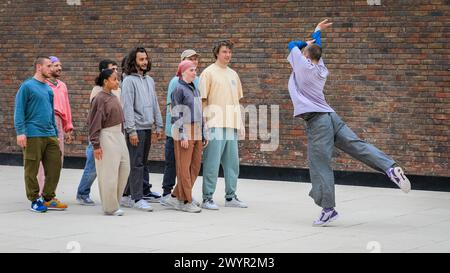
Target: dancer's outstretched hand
{"x":324,"y":24}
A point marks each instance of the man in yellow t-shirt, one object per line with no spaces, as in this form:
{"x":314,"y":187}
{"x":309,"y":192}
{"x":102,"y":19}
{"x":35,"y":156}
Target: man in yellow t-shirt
{"x":221,"y":91}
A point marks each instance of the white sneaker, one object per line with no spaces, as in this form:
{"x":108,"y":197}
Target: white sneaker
{"x":209,"y":204}
{"x":142,"y":205}
{"x":326,"y":217}
{"x":126,"y":201}
{"x":195,"y":202}
{"x":397,"y":175}
{"x":118,"y":212}
{"x":163,"y":200}
{"x":235,"y":203}
{"x":170,"y":202}
{"x":190,"y":207}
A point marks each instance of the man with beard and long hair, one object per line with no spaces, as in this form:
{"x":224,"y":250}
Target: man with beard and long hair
{"x":63,"y":119}
{"x":141,"y":110}
{"x":37,"y":135}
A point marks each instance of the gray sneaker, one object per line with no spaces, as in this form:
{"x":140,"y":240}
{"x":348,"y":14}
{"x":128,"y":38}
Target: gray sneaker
{"x":209,"y":204}
{"x":235,"y":203}
{"x":85,"y":200}
{"x":126,"y":201}
{"x":142,"y":205}
{"x":190,"y":207}
{"x":170,"y":202}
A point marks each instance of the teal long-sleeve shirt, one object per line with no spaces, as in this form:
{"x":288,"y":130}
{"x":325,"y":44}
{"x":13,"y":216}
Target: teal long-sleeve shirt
{"x":34,"y":115}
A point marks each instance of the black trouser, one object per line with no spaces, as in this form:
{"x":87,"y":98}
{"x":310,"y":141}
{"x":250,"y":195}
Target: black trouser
{"x":138,"y":165}
{"x":146,"y":187}
{"x":170,"y":172}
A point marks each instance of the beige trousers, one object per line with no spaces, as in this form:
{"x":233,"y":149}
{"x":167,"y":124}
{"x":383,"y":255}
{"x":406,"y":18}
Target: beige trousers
{"x":113,"y":169}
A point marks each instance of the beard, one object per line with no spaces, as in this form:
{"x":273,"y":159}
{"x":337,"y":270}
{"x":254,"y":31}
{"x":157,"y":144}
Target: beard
{"x":56,"y":74}
{"x":46,"y":75}
{"x":143,"y":68}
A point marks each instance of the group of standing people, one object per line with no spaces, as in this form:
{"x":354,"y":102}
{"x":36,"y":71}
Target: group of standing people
{"x":203,"y":124}
{"x":124,"y":115}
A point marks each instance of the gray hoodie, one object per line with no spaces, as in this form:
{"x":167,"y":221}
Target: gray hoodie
{"x":140,"y":104}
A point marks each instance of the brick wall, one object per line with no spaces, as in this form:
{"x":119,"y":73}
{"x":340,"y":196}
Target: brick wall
{"x":389,"y":64}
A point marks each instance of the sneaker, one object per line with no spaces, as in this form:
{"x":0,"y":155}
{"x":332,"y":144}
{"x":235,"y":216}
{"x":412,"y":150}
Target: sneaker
{"x":209,"y":204}
{"x":118,"y":212}
{"x":326,"y":217}
{"x":55,"y":204}
{"x":170,"y":202}
{"x":152,"y":197}
{"x":166,"y":197}
{"x":38,"y":205}
{"x":142,"y":205}
{"x":126,"y":202}
{"x":196,"y":202}
{"x":190,"y":207}
{"x":163,"y":200}
{"x":235,"y":203}
{"x":397,"y":175}
{"x":85,"y":200}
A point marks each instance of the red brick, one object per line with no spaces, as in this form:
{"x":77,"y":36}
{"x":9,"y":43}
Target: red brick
{"x":400,"y":82}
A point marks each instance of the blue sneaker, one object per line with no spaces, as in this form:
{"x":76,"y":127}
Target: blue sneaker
{"x":152,"y":197}
{"x":326,"y":216}
{"x":38,"y":205}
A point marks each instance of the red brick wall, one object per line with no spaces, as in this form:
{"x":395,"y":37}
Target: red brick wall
{"x":389,"y":64}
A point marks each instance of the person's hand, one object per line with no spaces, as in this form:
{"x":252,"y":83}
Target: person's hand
{"x":324,"y":24}
{"x":159,"y":135}
{"x":310,"y":42}
{"x":68,"y":137}
{"x":134,"y":140}
{"x":155,"y":137}
{"x":185,"y":144}
{"x":98,"y":154}
{"x":205,"y":143}
{"x":22,"y":141}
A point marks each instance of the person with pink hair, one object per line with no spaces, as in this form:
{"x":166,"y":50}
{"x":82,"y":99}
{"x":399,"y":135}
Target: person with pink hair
{"x":189,"y":134}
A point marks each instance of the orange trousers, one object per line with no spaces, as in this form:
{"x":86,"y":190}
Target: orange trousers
{"x":188,"y":162}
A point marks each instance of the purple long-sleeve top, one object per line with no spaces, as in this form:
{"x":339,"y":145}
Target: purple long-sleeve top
{"x":306,"y":84}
